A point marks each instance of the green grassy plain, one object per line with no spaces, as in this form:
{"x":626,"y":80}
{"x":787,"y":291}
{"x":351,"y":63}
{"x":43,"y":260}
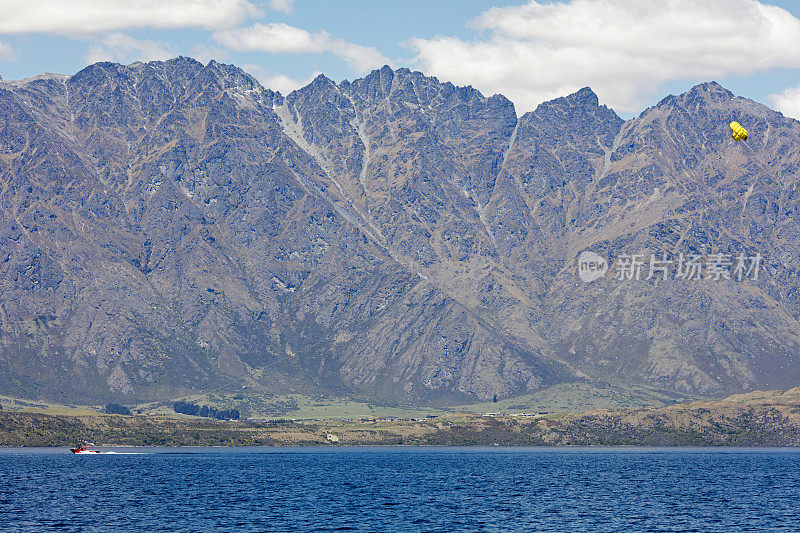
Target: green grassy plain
{"x":770,"y":418}
{"x":568,"y":397}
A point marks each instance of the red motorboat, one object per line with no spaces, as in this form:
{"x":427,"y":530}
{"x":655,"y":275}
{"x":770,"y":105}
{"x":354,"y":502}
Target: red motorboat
{"x":82,"y":449}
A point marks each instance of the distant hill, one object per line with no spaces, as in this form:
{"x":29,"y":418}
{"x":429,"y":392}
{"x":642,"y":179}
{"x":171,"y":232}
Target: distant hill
{"x":171,"y":227}
{"x":756,"y":419}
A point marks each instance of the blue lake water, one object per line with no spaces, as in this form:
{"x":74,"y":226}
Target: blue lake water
{"x":402,"y":489}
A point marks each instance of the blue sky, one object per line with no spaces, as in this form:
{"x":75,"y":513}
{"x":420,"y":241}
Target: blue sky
{"x":631,"y":52}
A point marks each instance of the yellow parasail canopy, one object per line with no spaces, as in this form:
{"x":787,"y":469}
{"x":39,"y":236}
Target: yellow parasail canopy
{"x":738,"y":132}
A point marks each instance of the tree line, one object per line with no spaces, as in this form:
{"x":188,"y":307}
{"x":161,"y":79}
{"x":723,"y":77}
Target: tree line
{"x":188,"y":408}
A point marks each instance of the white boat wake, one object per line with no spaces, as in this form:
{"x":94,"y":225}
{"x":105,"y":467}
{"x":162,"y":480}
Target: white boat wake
{"x":110,"y":453}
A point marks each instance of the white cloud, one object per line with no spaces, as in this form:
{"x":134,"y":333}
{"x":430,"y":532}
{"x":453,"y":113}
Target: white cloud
{"x":280,"y":38}
{"x":276,"y":38}
{"x":284,"y":6}
{"x":125,"y":49}
{"x":6,"y":52}
{"x":204,"y":53}
{"x":787,"y":102}
{"x":277,"y":82}
{"x":623,"y":49}
{"x":90,"y":16}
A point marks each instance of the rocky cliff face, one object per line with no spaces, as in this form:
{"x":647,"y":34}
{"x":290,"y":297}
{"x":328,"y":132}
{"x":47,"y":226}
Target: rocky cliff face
{"x":170,"y":226}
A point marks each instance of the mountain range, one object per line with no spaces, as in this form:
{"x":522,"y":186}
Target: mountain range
{"x":170,"y":227}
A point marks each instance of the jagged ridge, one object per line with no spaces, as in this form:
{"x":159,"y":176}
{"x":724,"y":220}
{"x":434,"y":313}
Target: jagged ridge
{"x":171,"y":226}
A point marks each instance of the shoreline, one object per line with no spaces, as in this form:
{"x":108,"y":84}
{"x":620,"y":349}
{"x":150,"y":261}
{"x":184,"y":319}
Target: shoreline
{"x":634,"y":448}
{"x":756,"y":419}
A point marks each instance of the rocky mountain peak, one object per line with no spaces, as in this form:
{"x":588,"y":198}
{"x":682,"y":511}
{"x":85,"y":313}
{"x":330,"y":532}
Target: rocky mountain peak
{"x":379,"y":81}
{"x":165,"y":227}
{"x":575,"y":106}
{"x":229,"y":76}
{"x":700,"y":96}
{"x":175,"y":65}
{"x":706,"y":94}
{"x":584,"y":97}
{"x":322,"y":80}
{"x":710,"y":88}
{"x":578,"y":117}
{"x":386,"y":72}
